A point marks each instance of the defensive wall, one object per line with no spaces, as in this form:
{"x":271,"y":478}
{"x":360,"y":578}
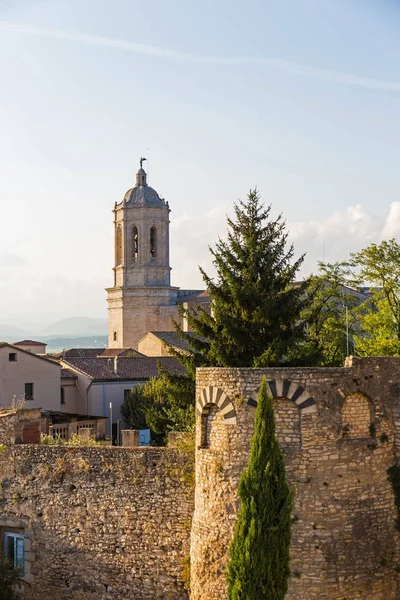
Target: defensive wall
{"x":340,"y":431}
{"x":99,"y":523}
{"x":104,"y":523}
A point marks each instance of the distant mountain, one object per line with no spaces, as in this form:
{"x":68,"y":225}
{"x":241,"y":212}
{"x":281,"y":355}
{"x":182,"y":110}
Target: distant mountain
{"x":57,"y":344}
{"x":9,"y":333}
{"x":76,"y":327}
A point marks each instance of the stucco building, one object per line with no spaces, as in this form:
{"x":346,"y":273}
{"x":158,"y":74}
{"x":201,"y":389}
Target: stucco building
{"x":26,"y":375}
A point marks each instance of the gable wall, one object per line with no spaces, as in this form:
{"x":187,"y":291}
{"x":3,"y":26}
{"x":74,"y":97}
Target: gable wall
{"x":28,"y":368}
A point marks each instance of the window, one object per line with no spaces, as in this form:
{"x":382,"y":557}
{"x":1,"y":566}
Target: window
{"x":153,"y":242}
{"x":12,"y":357}
{"x":135,"y":244}
{"x":29,"y":391}
{"x":115,"y":336}
{"x":14,"y":550}
{"x":126,"y":392}
{"x":62,"y":396}
{"x":118,"y":246}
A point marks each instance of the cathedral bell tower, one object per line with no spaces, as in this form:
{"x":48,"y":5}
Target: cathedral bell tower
{"x":141,"y":269}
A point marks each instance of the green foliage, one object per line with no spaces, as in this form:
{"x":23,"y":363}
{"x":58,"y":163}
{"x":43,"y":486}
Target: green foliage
{"x":258,"y":564}
{"x":394,"y":478}
{"x":165,"y":403}
{"x":74,"y":440}
{"x":170,"y":403}
{"x":133,"y":409}
{"x":256,"y":307}
{"x":8,"y":579}
{"x":377,"y":334}
{"x":328,"y":317}
{"x":379,"y":265}
{"x":185,"y":572}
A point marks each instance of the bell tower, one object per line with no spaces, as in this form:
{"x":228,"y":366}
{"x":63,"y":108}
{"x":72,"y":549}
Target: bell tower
{"x":141,"y":267}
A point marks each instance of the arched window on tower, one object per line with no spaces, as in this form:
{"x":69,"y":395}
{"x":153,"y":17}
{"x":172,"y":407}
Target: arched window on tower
{"x":135,"y":243}
{"x":118,"y":246}
{"x":153,"y":242}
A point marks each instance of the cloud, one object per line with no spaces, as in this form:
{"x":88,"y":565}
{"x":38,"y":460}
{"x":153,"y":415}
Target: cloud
{"x":275,"y":63}
{"x":8,"y":259}
{"x":391,"y":226}
{"x":331,"y":239}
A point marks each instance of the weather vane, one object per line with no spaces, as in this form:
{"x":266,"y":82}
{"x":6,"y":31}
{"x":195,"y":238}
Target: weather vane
{"x":141,"y":162}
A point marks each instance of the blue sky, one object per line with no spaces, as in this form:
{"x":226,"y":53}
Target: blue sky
{"x":300,"y":97}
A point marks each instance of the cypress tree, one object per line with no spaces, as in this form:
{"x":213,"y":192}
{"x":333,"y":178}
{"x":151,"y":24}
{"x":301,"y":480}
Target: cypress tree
{"x":258,"y":567}
{"x":256,"y":309}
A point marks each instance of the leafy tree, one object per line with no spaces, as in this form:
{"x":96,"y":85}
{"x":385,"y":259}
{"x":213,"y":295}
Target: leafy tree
{"x":170,"y":403}
{"x":329,"y":317}
{"x":379,"y":265}
{"x":164,"y":403}
{"x":377,"y":332}
{"x":133,"y":409}
{"x":258,"y":564}
{"x":255,"y":305}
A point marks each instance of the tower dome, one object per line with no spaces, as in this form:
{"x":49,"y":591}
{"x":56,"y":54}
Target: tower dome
{"x":142,"y":194}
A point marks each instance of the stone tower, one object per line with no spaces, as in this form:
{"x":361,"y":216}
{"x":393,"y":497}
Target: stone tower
{"x":141,"y":270}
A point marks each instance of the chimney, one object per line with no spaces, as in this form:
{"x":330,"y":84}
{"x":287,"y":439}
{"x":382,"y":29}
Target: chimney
{"x":116,"y":365}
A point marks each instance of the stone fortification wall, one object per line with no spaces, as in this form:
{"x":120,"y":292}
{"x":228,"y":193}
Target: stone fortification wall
{"x":100,"y":523}
{"x":339,"y":429}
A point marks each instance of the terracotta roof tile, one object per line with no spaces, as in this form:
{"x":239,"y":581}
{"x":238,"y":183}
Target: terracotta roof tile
{"x":140,"y":368}
{"x":125,"y":352}
{"x":172,"y":339}
{"x":67,"y":374}
{"x":29,"y":343}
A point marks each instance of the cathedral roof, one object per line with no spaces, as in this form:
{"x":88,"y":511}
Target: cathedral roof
{"x":142,"y":194}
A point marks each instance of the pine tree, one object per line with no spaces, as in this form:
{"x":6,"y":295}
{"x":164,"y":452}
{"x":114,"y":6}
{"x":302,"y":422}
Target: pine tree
{"x":256,"y":307}
{"x":258,"y":567}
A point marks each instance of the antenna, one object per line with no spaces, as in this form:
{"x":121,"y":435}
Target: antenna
{"x":148,"y":163}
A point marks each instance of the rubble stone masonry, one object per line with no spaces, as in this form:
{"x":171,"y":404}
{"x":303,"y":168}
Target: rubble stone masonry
{"x":104,"y":523}
{"x":100,"y":523}
{"x":339,"y":430}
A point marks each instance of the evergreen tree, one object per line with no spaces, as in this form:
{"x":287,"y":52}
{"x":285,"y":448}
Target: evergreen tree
{"x":256,"y":307}
{"x":258,"y":566}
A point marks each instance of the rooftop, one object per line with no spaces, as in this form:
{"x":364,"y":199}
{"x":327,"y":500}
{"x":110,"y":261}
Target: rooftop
{"x":124,"y":368}
{"x":29,"y":343}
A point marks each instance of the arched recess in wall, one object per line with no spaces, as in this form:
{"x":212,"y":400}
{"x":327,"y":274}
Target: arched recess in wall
{"x":284,"y":388}
{"x":216,"y":410}
{"x":153,"y":242}
{"x":358,"y":417}
{"x":118,"y":245}
{"x":134,"y":243}
{"x":291,"y":401}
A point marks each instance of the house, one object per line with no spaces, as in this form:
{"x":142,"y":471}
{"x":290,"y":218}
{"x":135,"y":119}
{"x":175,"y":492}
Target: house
{"x":32,"y":346}
{"x":25,"y":375}
{"x":158,"y":343}
{"x":102,"y":378}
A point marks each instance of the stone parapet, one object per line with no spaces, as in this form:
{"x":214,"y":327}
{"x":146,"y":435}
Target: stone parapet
{"x":339,"y":430}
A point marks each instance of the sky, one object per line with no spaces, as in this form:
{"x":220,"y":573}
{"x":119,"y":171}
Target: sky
{"x":299,"y":98}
